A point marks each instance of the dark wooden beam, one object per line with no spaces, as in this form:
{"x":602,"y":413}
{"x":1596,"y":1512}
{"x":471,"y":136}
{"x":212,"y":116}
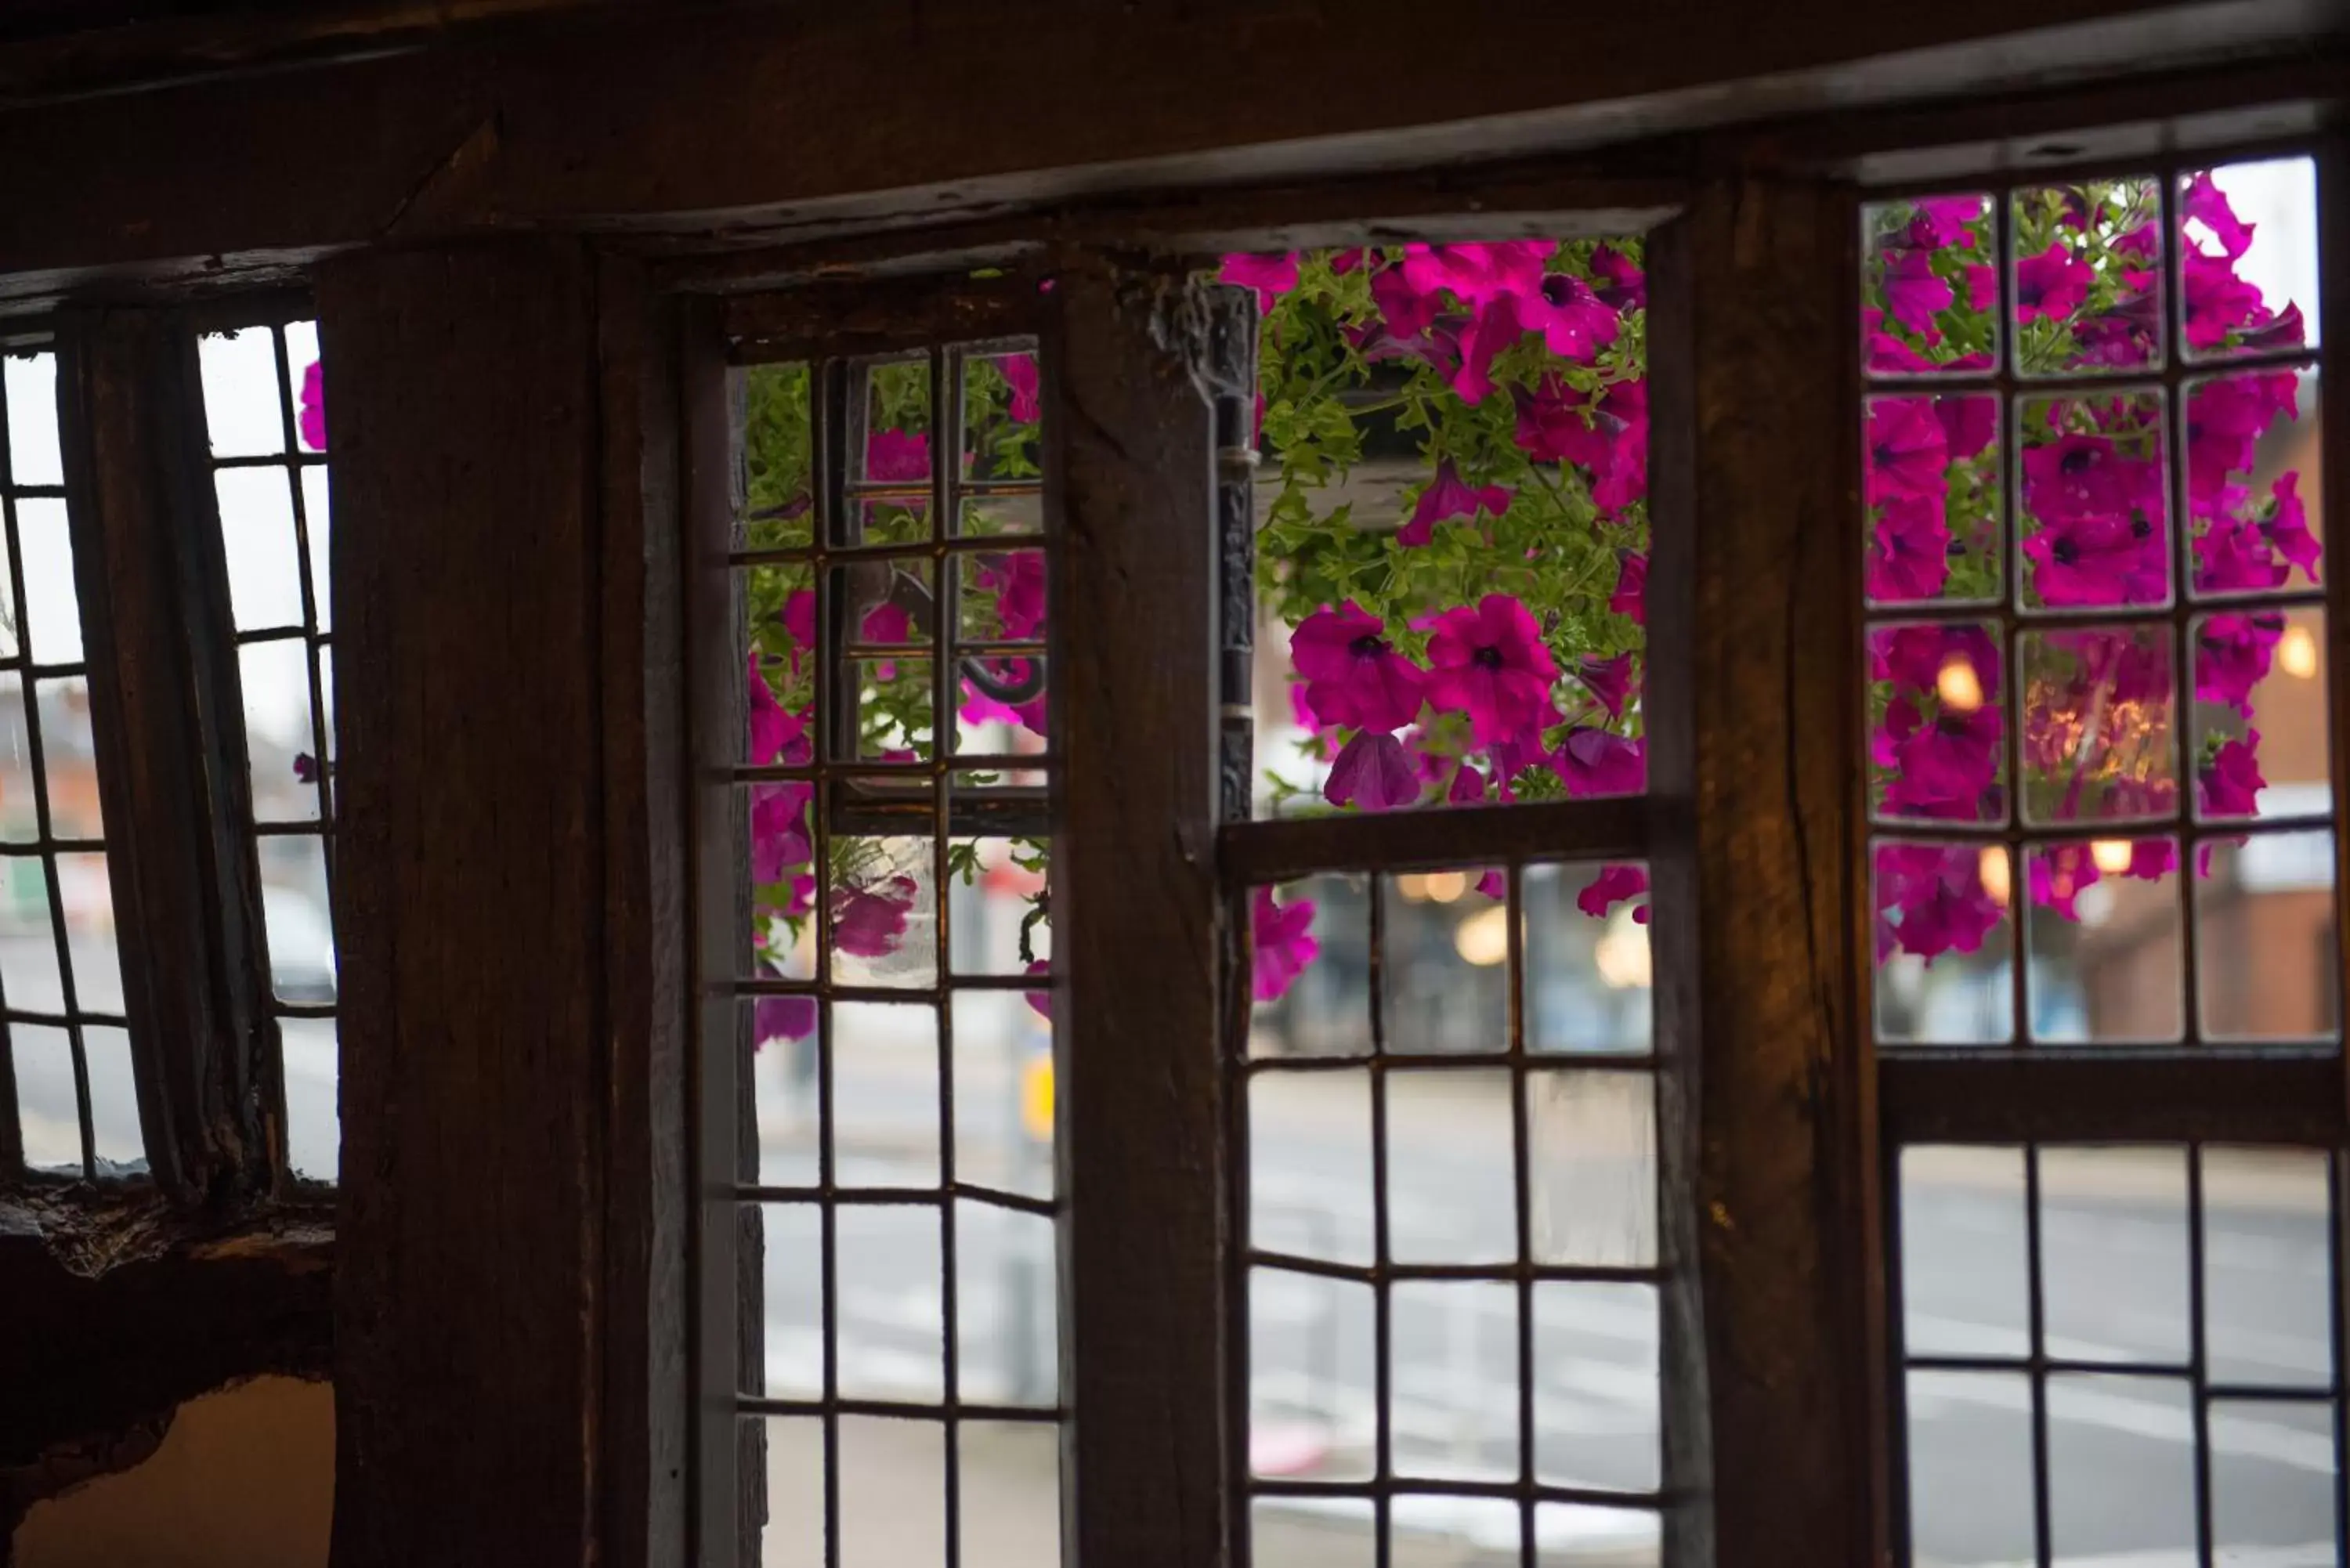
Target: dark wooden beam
{"x":475,"y":1297}
{"x":1754,"y":644}
{"x":760,"y":117}
{"x":1130,"y":457}
{"x":2112,"y":1095}
{"x":1260,"y":852}
{"x":119,"y":1305}
{"x":168,"y":717}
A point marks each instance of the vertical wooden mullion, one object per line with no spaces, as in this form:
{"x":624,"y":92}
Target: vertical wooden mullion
{"x":1771,"y":1367}
{"x":714,"y":614}
{"x":167,"y":712}
{"x":1131,"y":493}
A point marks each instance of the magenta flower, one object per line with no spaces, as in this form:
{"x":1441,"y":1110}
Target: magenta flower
{"x":2218,"y":302}
{"x":2229,"y":784}
{"x":1372,"y":773}
{"x":2060,"y":874}
{"x":1039,"y":1002}
{"x":1908,"y":454}
{"x":1913,"y":294}
{"x":1280,"y":944}
{"x":1630,"y":598}
{"x":2100,"y":537}
{"x":1490,"y":663}
{"x":782,"y":1018}
{"x":1575,"y":324}
{"x":2288,"y":529}
{"x":314,"y":408}
{"x":1610,"y":682}
{"x":870,"y":922}
{"x":1908,"y":552}
{"x":895,"y":456}
{"x":1476,"y":273}
{"x":1271,"y":276}
{"x":2225,"y":420}
{"x":1914,"y":656}
{"x":1598,"y":762}
{"x":1468,"y":787}
{"x":1936,"y":897}
{"x":1969,"y":423}
{"x":2204,"y":202}
{"x":1019,"y":371}
{"x":1618,"y":280}
{"x":1446,"y":497}
{"x":1612,"y":887}
{"x":1017,"y":580}
{"x":1945,"y":769}
{"x":2051,"y":285}
{"x":1887,"y":353}
{"x":1942,"y":221}
{"x":2233,"y":654}
{"x":1354,"y":675}
{"x":779,"y":829}
{"x":775,"y":732}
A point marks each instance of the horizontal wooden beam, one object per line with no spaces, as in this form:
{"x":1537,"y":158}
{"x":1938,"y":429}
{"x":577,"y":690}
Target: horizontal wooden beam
{"x":760,"y":119}
{"x":1250,"y":853}
{"x":2105,"y":1096}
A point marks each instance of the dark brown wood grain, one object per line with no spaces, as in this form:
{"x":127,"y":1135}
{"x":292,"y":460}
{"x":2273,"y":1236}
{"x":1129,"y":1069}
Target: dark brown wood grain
{"x":470,"y":1306}
{"x":167,"y":715}
{"x":1752,"y":608}
{"x":2110,"y":1096}
{"x":1254,"y":853}
{"x":900,"y":109}
{"x":1130,"y":460}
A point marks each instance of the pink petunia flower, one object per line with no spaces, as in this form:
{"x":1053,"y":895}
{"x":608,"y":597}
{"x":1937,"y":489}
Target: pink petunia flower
{"x":870,"y":922}
{"x":1372,"y":773}
{"x":1630,"y":598}
{"x":783,"y":1018}
{"x":1612,"y":887}
{"x":313,"y":423}
{"x":1490,"y":663}
{"x":2230,"y":785}
{"x":1908,"y":453}
{"x":1280,"y":944}
{"x":895,"y":456}
{"x":1271,"y":276}
{"x":1019,"y":371}
{"x":1354,"y":675}
{"x":1610,"y":682}
{"x":1913,"y":293}
{"x":1448,"y":496}
{"x":2051,"y":285}
{"x":1593,"y":761}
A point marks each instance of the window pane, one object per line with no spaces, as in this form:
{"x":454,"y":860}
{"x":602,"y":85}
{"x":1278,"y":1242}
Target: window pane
{"x":1007,"y":1286}
{"x":2260,"y":745}
{"x":1592,"y":1158}
{"x":48,"y":1109}
{"x":1451,"y":1188}
{"x":1453,"y":1375}
{"x":52,"y":607}
{"x":265,"y":569}
{"x":885,"y":1094}
{"x":1965,"y":1285}
{"x":1929,"y":286}
{"x":2251,"y":286}
{"x":892,"y":1493}
{"x":1588,"y":972}
{"x":1932,"y":482}
{"x":1313,"y":1383}
{"x":2272,"y":1487}
{"x":241,"y":411}
{"x":1970,"y":1481}
{"x":1311,"y":968}
{"x":1310,"y":1165}
{"x":1595,"y":1386}
{"x":32,"y":393}
{"x":2121,"y":1466}
{"x":1447,"y":940}
{"x":1943,"y":943}
{"x":2266,"y":963}
{"x":1004,"y":1091}
{"x":2086,"y":277}
{"x":1011,"y":1494}
{"x":2112,"y":1254}
{"x":1452,"y":540}
{"x":2267,"y":1282}
{"x":2106,"y":964}
{"x":1312,"y":1532}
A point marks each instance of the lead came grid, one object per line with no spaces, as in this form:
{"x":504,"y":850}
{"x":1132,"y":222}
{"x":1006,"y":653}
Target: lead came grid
{"x":67,"y":1100}
{"x":264,"y":417}
{"x":2030,"y":750}
{"x":1448,"y":1205}
{"x":2106,"y":1352}
{"x":890,"y":794}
